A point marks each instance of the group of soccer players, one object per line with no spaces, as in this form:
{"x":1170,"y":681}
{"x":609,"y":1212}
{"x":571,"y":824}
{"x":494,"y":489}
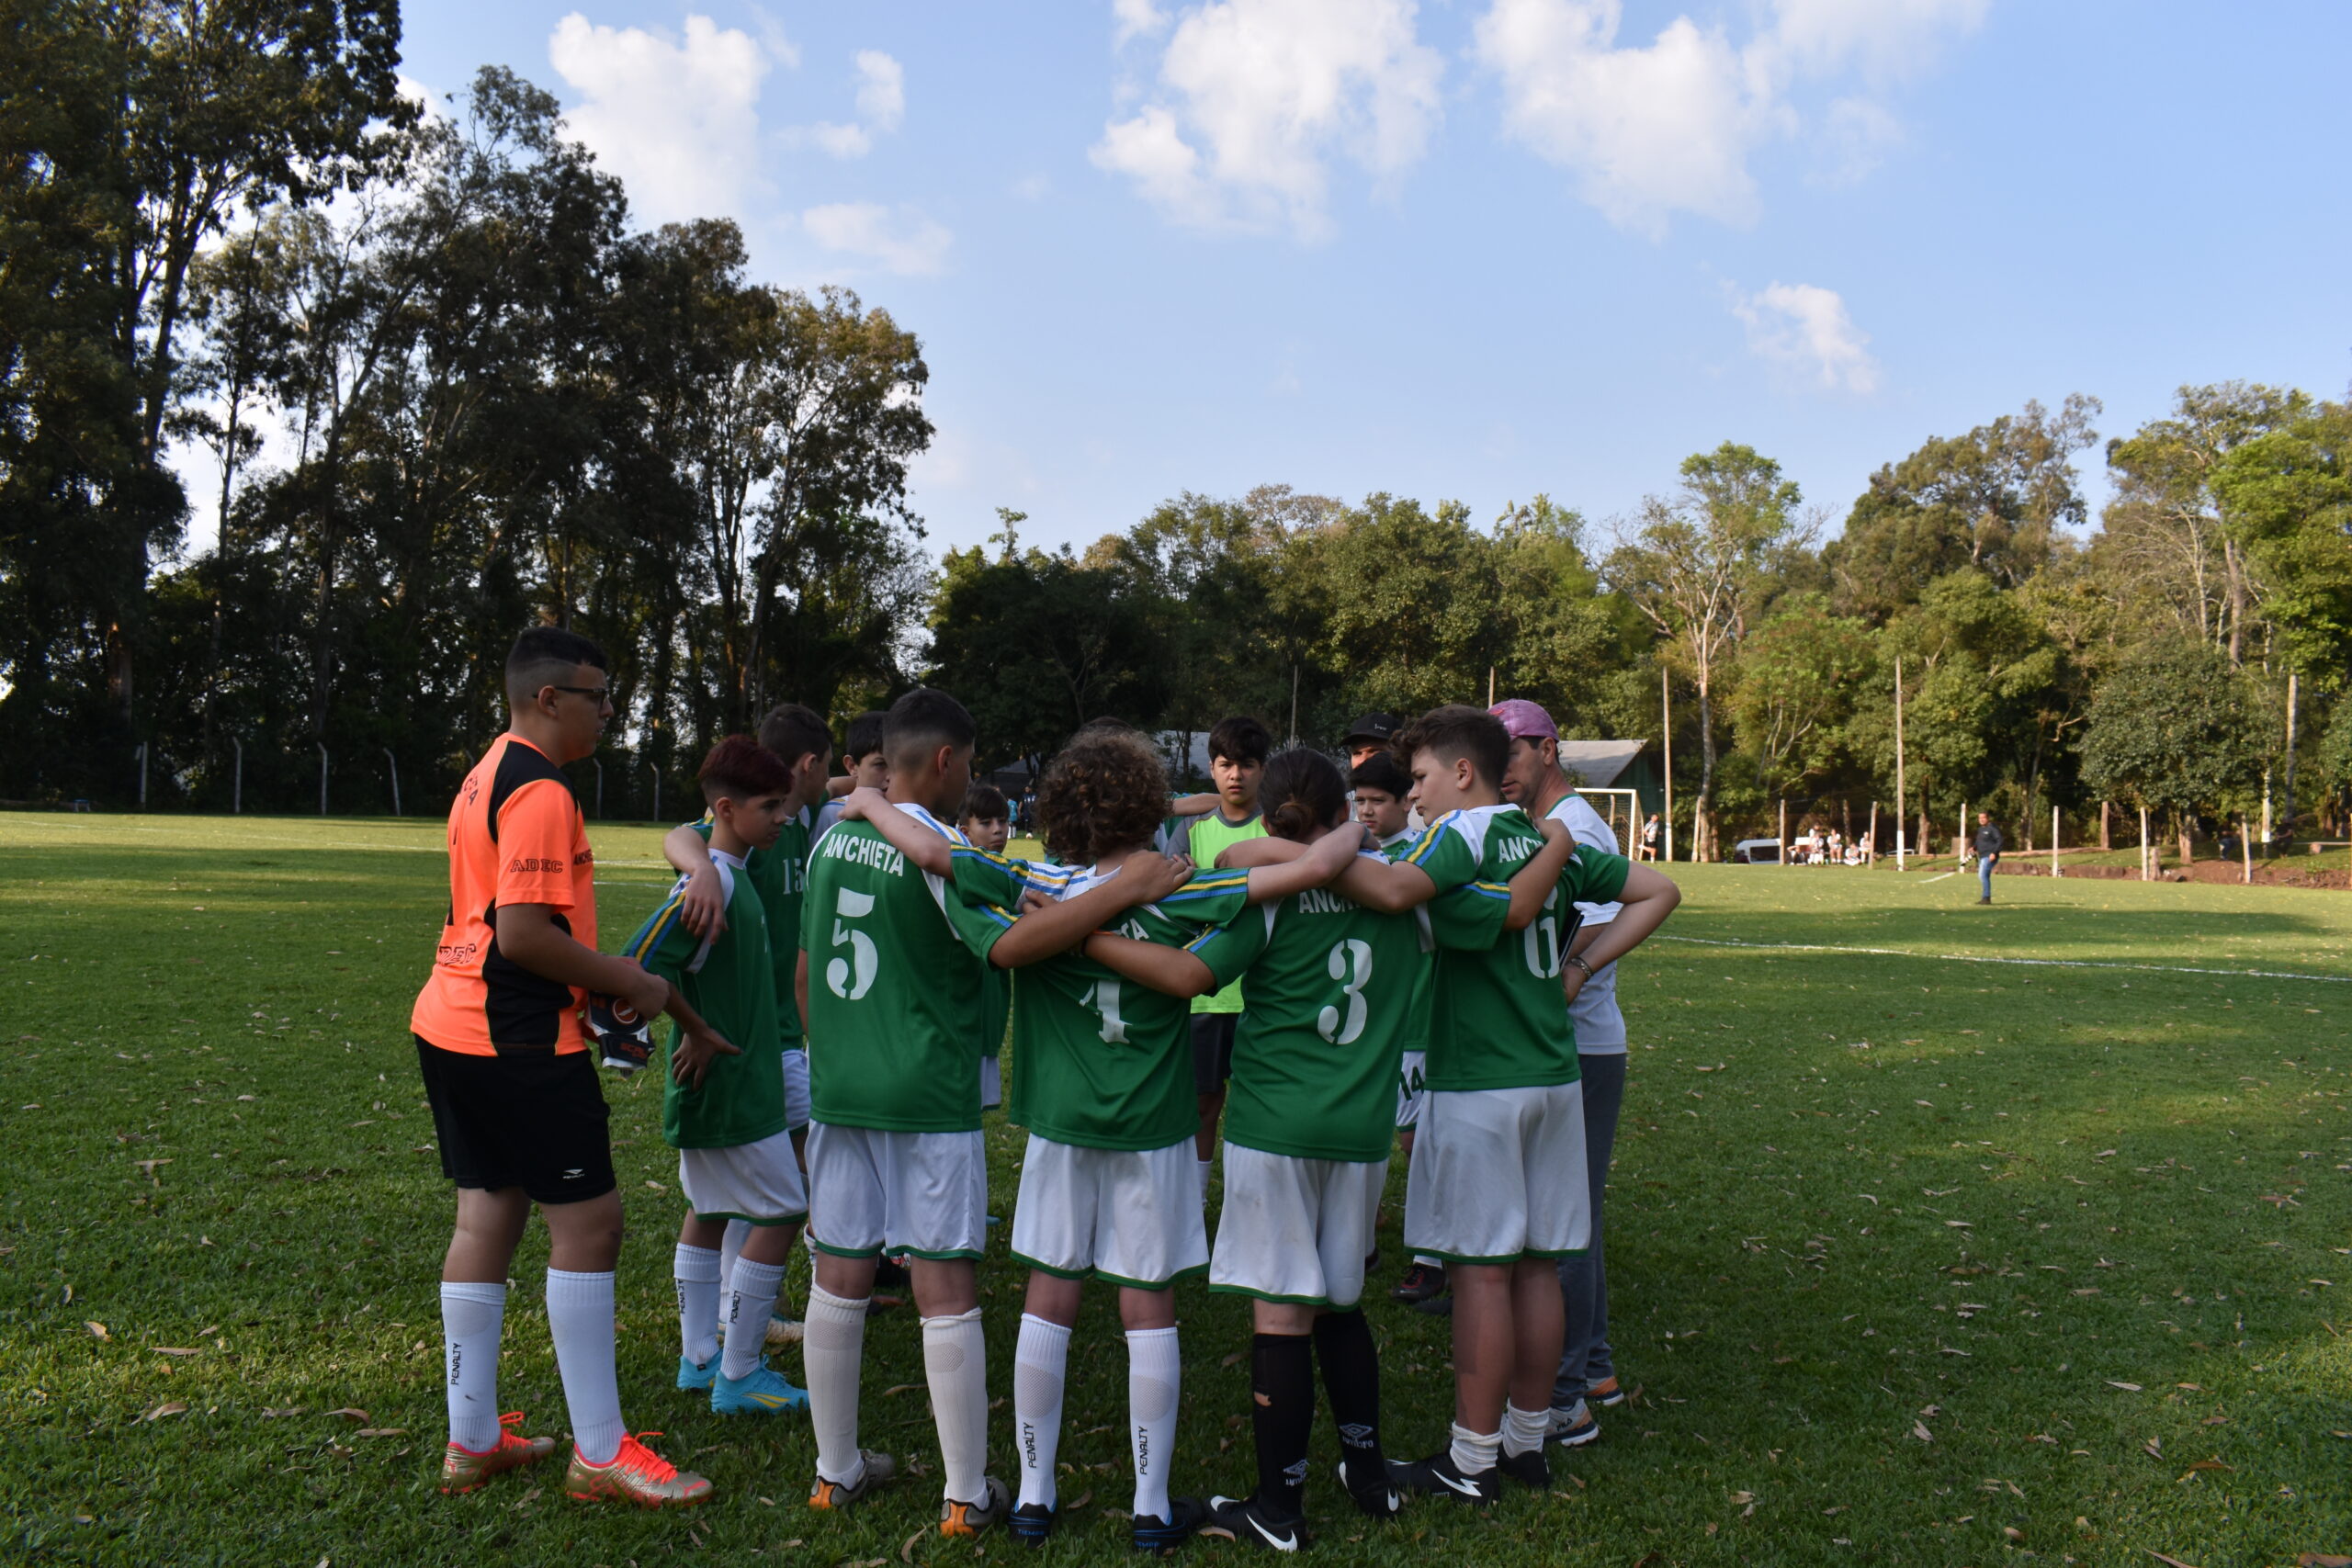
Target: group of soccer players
{"x":839,"y":961}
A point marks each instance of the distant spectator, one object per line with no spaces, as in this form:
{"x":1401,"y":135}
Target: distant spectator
{"x":1988,"y":855}
{"x":1647,"y":849}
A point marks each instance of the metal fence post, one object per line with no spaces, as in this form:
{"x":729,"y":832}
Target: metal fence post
{"x":322,"y":778}
{"x":394,"y":764}
{"x":655,"y":769}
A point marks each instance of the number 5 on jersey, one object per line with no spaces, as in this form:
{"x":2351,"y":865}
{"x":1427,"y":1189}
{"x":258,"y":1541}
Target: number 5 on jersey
{"x":853,"y":976}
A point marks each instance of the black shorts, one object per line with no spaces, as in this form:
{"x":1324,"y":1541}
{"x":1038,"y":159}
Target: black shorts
{"x":1212,"y":1050}
{"x":533,"y":1119}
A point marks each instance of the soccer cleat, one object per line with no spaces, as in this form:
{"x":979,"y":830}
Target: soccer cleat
{"x":970,"y":1518}
{"x":1247,"y":1521}
{"x":784,"y":1330}
{"x":1573,"y":1425}
{"x":1376,"y":1500}
{"x":1530,"y":1469}
{"x":1436,"y":1306}
{"x":1439,"y":1476}
{"x":760,"y":1391}
{"x":874,"y":1470}
{"x":1150,"y":1532}
{"x":635,"y":1474}
{"x":1421,"y":1282}
{"x":1032,"y":1524}
{"x":1605,"y":1392}
{"x":696,"y":1376}
{"x":462,"y":1470}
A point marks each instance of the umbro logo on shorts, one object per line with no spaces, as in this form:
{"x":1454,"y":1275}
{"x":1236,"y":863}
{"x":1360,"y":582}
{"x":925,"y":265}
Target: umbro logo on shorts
{"x":575,"y":1173}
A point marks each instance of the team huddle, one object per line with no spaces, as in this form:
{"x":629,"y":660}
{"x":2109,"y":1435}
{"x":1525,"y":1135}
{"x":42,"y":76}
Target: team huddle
{"x":841,"y":970}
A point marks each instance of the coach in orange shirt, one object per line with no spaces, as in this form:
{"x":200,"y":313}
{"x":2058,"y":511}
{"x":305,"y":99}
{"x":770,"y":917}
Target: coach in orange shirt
{"x":519,"y":1114}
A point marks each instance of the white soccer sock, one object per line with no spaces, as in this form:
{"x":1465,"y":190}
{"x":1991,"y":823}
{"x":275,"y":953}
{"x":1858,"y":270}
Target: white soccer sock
{"x":748,"y":1306}
{"x":579,"y":1316}
{"x":731,"y":1247}
{"x":1153,"y":1375}
{"x":1206,"y":1166}
{"x":954,"y":1360}
{"x":471,"y":1315}
{"x":1040,"y":1366}
{"x":1524,"y":1431}
{"x":696,"y":1269}
{"x":1425,"y":1259}
{"x":1473,"y":1452}
{"x":832,"y":1348}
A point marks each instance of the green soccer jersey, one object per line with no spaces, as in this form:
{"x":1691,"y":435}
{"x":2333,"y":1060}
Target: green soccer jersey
{"x":1100,"y":1061}
{"x":779,"y":873}
{"x":897,"y":1004}
{"x":1327,"y":985}
{"x":731,"y":983}
{"x":1205,"y":837}
{"x":1496,"y":1020}
{"x":1417,"y":1010}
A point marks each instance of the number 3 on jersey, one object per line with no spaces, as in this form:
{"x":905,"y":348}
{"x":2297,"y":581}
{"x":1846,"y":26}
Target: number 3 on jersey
{"x":853,"y":976}
{"x":1350,"y":965}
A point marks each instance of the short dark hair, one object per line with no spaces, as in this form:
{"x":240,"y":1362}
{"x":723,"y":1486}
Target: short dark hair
{"x":1105,"y":791}
{"x":793,"y":731}
{"x":924,"y":719}
{"x":1241,"y":739}
{"x":543,"y":657}
{"x":739,"y":768}
{"x":864,"y":737}
{"x":983,"y":803}
{"x":1382,"y":770}
{"x":1454,"y":732}
{"x":1302,"y":791}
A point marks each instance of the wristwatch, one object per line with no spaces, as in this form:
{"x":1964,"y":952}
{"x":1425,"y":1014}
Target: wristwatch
{"x":1577,"y":959}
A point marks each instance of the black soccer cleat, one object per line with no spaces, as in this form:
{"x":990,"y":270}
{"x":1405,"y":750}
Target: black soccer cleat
{"x":1376,"y":1500}
{"x":1184,"y":1517}
{"x":1421,"y":1282}
{"x":1247,"y":1521}
{"x":1438,"y":1476}
{"x":1530,"y":1469}
{"x":1032,"y":1524}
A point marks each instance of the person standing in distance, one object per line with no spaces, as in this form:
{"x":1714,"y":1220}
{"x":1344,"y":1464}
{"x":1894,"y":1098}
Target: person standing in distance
{"x":517,"y":1108}
{"x":1988,"y":855}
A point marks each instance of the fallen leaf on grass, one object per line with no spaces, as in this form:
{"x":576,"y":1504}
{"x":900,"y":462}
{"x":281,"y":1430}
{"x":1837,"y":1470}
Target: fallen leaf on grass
{"x":1919,"y":1430}
{"x":271,"y":1413}
{"x":527,"y":1498}
{"x":1083,"y":1499}
{"x":1234,"y":1360}
{"x":2210,"y":1464}
{"x":906,"y":1552}
{"x":2126,"y":1387}
{"x":2013,"y":1534}
{"x":1960,"y":1224}
{"x":175,"y":1350}
{"x":2153,"y":1447}
{"x":97,"y":1328}
{"x":350,"y":1412}
{"x":382,"y":1432}
{"x":161,"y":1411}
{"x":2176,"y":1561}
{"x":899,"y":1388}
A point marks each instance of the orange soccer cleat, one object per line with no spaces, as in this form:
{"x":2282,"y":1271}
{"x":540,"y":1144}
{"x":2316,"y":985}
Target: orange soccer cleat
{"x":636,"y":1475}
{"x":462,"y":1470}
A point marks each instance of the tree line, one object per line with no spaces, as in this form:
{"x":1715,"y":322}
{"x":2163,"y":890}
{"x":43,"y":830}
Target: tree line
{"x":443,"y":388}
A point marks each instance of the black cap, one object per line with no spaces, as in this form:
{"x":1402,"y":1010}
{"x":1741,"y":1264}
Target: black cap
{"x":1380,"y":726}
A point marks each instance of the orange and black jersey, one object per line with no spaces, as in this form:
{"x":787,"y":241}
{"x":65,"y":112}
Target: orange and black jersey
{"x":516,"y":836}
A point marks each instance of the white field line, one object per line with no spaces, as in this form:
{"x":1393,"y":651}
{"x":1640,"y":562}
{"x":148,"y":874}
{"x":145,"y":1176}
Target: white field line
{"x":1944,"y":877}
{"x":2031,"y":963}
{"x":186,"y":841}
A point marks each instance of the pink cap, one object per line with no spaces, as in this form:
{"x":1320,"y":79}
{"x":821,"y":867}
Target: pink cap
{"x":1525,"y":720}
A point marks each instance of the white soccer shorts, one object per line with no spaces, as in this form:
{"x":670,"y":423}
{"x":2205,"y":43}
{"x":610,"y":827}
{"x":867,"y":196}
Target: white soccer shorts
{"x":759,"y":1183}
{"x":1129,"y":1216}
{"x":796,"y":1088}
{"x":1295,"y":1230}
{"x":1499,"y":1175}
{"x":991,"y":1083}
{"x":924,"y":1193}
{"x":1412,"y":1087}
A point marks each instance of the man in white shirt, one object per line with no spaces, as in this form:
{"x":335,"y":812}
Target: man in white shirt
{"x":1535,"y":783}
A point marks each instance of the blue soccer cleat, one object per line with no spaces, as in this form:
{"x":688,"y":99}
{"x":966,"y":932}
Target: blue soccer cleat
{"x":759,"y":1391}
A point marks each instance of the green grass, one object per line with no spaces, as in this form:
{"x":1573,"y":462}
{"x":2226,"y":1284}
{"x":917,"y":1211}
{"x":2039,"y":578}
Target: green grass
{"x":1858,"y":1197}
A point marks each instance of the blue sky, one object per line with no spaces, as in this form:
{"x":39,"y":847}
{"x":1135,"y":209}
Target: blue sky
{"x":1478,"y":250}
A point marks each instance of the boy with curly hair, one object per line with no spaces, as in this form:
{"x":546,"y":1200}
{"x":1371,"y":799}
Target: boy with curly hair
{"x":1103,"y":1081}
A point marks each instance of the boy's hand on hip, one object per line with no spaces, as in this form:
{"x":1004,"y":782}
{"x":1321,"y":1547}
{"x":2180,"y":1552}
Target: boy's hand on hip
{"x":697,"y":1049}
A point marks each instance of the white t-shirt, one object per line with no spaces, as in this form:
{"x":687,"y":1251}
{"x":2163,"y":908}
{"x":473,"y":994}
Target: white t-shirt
{"x":1599,"y":1024}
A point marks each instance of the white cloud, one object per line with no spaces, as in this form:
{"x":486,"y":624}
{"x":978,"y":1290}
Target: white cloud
{"x":881,"y":105}
{"x":902,"y":241}
{"x":1669,"y":126}
{"x":676,"y":119}
{"x":1805,"y":329}
{"x":1135,"y":20}
{"x":1032,"y":188}
{"x":1255,"y":98}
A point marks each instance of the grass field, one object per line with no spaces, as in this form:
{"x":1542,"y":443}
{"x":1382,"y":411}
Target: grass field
{"x":1945,"y":1252}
